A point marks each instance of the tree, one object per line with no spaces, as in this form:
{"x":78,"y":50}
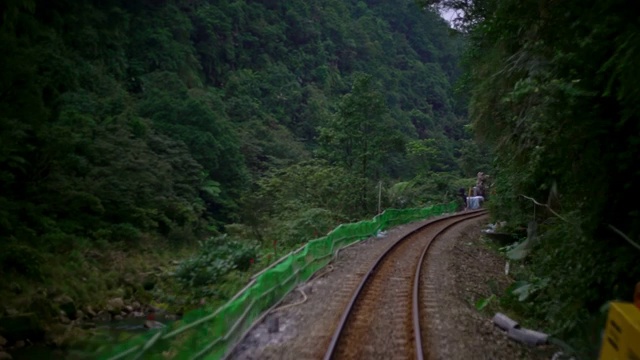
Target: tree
{"x":360,"y":134}
{"x":554,"y":95}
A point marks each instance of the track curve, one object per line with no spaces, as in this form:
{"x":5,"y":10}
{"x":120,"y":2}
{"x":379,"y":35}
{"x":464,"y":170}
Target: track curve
{"x":382,"y":319}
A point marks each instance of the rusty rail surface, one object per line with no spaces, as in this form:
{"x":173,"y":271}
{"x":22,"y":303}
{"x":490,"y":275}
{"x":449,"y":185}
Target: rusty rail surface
{"x":358,"y":323}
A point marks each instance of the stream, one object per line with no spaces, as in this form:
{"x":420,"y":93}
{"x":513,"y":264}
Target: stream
{"x":108,"y":331}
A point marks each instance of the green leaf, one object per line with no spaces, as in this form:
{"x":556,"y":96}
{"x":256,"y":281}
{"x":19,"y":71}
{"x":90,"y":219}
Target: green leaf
{"x":523,"y":292}
{"x":482,"y":303}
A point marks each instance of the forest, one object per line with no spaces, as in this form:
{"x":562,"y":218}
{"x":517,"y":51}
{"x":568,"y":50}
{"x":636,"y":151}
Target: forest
{"x":163,"y":150}
{"x":552,"y":93}
{"x":212,"y":135}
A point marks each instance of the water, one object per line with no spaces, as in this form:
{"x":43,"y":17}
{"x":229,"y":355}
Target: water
{"x":105,"y":332}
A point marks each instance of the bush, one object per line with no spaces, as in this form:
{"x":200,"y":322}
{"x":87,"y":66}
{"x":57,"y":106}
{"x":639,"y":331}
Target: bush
{"x":20,"y":259}
{"x":216,"y":258}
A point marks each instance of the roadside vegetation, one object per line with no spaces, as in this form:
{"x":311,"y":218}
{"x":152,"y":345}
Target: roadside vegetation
{"x":553,"y":95}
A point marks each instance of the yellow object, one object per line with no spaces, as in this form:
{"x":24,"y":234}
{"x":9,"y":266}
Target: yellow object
{"x":622,"y":333}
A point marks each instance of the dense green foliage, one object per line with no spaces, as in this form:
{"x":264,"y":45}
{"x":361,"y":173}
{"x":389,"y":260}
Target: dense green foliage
{"x":216,"y":257}
{"x":129,"y":125}
{"x":554,"y":95}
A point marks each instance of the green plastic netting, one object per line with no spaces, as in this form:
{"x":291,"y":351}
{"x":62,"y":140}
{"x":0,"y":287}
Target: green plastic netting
{"x":210,"y":335}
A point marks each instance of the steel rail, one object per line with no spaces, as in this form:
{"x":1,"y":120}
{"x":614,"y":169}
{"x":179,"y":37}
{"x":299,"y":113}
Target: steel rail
{"x":329,"y":354}
{"x":416,"y":289}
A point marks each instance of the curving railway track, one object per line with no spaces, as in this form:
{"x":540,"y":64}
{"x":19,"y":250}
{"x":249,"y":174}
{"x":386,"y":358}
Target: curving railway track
{"x":382,"y":320}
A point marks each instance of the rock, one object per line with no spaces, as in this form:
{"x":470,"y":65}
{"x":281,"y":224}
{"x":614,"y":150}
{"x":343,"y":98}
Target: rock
{"x":128,"y":308}
{"x":66,"y":304}
{"x":118,"y":317}
{"x":3,"y":341}
{"x":103,"y":316}
{"x":79,"y":315}
{"x":136,"y":305}
{"x":152,"y":324}
{"x":21,"y":326}
{"x":137,"y":314}
{"x":5,"y":356}
{"x":11,"y":311}
{"x":90,"y":311}
{"x":54,"y":334}
{"x":64,"y":319}
{"x":19,"y":344}
{"x":64,"y":336}
{"x":115,"y":305}
{"x":87,"y":325}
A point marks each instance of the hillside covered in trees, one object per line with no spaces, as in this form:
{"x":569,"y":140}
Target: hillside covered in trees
{"x":128,"y":127}
{"x":554,"y":93}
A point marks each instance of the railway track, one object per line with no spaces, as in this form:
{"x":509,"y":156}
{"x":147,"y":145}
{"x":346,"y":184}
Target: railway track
{"x":382,"y":319}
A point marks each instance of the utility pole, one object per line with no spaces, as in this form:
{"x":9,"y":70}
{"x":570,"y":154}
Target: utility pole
{"x":379,"y":196}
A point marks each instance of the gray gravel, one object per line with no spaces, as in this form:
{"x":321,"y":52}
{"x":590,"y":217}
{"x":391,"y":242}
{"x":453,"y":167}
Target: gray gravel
{"x":460,"y":270}
{"x":305,"y":330}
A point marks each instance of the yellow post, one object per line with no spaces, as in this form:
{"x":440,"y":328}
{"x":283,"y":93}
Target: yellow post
{"x":622,"y":333}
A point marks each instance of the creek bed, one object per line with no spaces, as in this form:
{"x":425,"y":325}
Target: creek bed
{"x":105,"y":332}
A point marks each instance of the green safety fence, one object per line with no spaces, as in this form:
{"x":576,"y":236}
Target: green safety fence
{"x":210,"y":335}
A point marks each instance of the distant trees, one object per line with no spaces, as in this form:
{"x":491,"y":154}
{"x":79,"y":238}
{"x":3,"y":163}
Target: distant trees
{"x":128,"y":120}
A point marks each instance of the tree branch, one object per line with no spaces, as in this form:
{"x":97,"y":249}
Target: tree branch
{"x":548,"y":207}
{"x":633,"y":243}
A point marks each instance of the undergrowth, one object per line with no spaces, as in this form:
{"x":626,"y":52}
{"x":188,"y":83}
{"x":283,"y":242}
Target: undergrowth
{"x":564,"y":284}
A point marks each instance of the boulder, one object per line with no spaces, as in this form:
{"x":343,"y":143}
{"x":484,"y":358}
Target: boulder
{"x":90,"y":312}
{"x":21,"y":326}
{"x":128,"y":308}
{"x":5,"y":356}
{"x":152,"y":324}
{"x":102,"y":316}
{"x":115,"y":305}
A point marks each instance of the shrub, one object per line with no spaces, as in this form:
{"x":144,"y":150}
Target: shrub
{"x":216,"y":258}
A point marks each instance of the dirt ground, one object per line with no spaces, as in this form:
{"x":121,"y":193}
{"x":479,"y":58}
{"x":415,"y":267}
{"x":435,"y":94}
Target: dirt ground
{"x":459,"y":270}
